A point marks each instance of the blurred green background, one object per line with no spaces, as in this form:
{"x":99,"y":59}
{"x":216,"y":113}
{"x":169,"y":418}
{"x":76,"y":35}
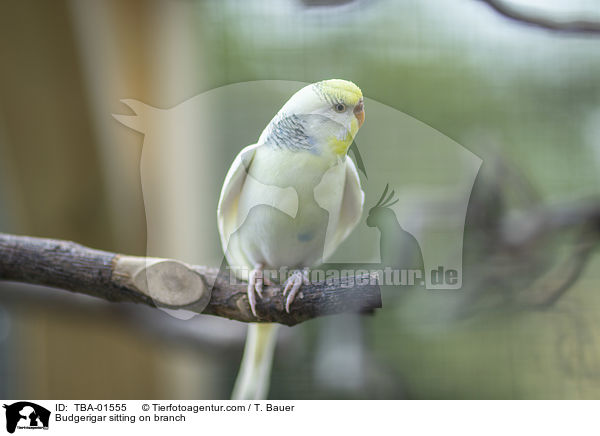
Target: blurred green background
{"x":524,"y":99}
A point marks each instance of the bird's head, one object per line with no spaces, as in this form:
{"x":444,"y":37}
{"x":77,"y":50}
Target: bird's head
{"x":322,"y":118}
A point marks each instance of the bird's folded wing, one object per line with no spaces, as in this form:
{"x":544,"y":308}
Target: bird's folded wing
{"x":352,"y":202}
{"x":227,"y":209}
{"x":344,"y":213}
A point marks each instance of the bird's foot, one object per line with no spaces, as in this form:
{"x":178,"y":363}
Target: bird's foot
{"x":256,"y":280}
{"x":293,"y":285}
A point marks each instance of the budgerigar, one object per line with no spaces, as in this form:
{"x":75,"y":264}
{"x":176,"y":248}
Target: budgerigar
{"x":287,"y":202}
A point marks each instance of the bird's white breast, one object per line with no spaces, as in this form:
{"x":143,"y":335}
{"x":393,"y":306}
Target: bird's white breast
{"x":271,"y":237}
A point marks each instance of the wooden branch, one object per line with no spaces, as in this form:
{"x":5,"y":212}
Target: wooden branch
{"x":172,"y":284}
{"x":564,"y":26}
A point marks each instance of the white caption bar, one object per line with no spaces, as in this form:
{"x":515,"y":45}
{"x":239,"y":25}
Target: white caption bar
{"x":23,"y":417}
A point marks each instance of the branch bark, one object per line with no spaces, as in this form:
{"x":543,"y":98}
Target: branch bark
{"x":564,"y":26}
{"x":172,"y":284}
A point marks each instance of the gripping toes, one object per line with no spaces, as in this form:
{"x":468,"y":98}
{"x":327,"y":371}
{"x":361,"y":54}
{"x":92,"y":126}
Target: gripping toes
{"x":255,"y":286}
{"x":293,"y":285}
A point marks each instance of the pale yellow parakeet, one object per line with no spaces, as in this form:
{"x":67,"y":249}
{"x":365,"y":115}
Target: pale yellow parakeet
{"x":288,"y":201}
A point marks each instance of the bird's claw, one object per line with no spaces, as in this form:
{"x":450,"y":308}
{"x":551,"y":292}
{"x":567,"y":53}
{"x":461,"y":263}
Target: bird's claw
{"x":293,"y":285}
{"x":256,"y":280}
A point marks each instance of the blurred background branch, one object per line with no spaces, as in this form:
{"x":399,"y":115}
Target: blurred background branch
{"x":549,"y":288}
{"x":516,"y":13}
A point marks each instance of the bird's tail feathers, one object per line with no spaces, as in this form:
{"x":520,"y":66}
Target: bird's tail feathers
{"x":253,"y":380}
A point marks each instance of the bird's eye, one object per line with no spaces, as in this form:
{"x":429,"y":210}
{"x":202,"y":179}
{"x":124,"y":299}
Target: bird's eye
{"x":340,"y":107}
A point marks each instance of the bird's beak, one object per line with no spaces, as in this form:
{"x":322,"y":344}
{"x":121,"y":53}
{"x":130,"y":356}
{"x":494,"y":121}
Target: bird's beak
{"x":359,"y":112}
